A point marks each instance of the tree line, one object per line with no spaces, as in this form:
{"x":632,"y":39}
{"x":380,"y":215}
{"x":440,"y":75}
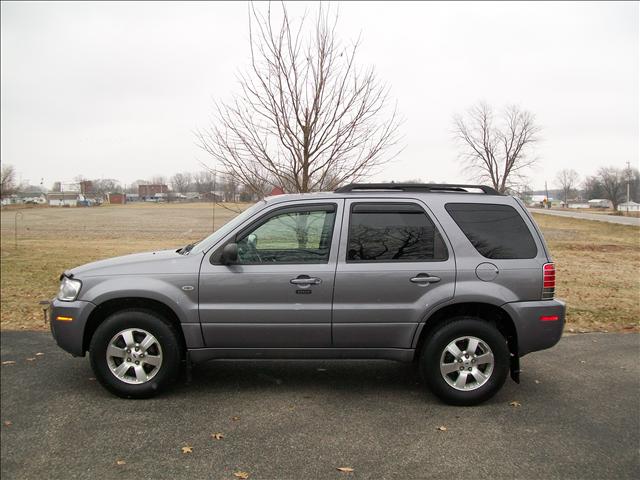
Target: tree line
{"x":610,"y":183}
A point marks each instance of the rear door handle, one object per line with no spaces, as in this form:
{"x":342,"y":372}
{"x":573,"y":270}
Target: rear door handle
{"x":305,"y":280}
{"x":424,"y":278}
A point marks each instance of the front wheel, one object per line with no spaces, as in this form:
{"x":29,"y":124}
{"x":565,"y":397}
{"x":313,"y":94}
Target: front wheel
{"x":465,"y":361}
{"x":135,"y":353}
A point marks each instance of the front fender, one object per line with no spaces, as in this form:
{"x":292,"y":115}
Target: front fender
{"x":167,"y":289}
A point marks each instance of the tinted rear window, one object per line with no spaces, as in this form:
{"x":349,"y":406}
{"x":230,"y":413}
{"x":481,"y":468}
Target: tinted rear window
{"x":496,"y":231}
{"x":393,"y":232}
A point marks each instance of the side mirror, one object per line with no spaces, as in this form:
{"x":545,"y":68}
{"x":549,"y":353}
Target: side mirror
{"x":229,"y":254}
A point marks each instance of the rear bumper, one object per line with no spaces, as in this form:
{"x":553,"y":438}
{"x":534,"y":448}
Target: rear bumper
{"x":533,"y":333}
{"x":69,"y":334}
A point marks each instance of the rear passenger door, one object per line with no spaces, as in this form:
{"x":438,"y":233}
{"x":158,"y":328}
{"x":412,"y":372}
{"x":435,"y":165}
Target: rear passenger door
{"x":393,"y":265}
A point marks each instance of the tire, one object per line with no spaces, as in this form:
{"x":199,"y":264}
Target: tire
{"x":159,"y":353}
{"x":465,"y":380}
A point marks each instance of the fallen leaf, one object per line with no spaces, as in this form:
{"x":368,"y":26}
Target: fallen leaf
{"x":442,"y":428}
{"x":515,"y":404}
{"x":8,"y":423}
{"x":235,"y":419}
{"x":241,"y":474}
{"x":120,"y":462}
{"x":217,"y":436}
{"x":39,"y":354}
{"x":187,"y":449}
{"x":583,"y":361}
{"x":536,"y":381}
{"x":345,"y":469}
{"x":31,"y":359}
{"x":8,"y":362}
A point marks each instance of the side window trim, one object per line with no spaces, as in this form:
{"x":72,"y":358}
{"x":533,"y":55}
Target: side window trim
{"x":214,"y":258}
{"x":386,"y":203}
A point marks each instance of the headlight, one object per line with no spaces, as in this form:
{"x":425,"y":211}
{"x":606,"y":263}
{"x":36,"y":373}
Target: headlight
{"x":69,"y":289}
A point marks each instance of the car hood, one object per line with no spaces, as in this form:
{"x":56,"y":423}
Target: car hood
{"x":159,"y":262}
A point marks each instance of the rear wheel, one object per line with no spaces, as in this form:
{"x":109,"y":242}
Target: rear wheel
{"x":135,"y":353}
{"x":465,"y":361}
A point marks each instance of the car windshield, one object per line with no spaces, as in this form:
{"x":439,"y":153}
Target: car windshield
{"x":212,"y":239}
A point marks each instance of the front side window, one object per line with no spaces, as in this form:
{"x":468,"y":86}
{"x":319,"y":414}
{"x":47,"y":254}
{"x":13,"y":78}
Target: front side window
{"x":293,"y":236}
{"x":496,"y":231}
{"x":393,"y":232}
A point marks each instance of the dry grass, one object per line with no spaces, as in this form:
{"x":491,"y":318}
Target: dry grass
{"x":598,"y":263}
{"x":598,"y":272}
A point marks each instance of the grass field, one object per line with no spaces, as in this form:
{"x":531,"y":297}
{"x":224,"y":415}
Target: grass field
{"x":598,"y":264}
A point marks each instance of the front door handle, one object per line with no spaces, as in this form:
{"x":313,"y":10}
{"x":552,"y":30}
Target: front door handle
{"x":305,"y":280}
{"x":424,"y":278}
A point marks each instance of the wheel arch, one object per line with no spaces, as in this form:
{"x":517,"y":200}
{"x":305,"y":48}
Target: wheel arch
{"x":111,"y":306}
{"x":485,"y":311}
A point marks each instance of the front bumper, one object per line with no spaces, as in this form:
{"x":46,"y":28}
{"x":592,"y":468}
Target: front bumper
{"x":533,"y":333}
{"x":69,"y":334}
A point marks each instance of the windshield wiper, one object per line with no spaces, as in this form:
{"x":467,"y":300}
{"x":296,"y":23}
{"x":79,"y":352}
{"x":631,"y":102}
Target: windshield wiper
{"x":186,"y":249}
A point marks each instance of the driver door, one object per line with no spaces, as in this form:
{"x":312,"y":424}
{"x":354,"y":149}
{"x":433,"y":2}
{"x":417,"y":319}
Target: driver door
{"x":279,"y":293}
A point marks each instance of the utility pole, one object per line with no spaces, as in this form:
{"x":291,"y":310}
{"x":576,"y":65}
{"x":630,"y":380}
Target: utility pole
{"x":213,"y":202}
{"x":628,"y":181}
{"x":547,"y":194}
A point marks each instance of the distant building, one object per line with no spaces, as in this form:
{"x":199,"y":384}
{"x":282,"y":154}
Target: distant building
{"x":277,"y":191}
{"x":152,"y":191}
{"x":64,"y":199}
{"x":629,"y":207}
{"x":22,"y":198}
{"x":599,"y":203}
{"x":86,"y":186}
{"x":132,"y":197}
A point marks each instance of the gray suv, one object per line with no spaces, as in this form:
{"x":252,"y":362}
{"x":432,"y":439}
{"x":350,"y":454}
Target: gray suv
{"x":456,"y":278}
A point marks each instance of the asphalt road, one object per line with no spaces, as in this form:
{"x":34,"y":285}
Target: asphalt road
{"x":589,"y":216}
{"x":579,"y":417}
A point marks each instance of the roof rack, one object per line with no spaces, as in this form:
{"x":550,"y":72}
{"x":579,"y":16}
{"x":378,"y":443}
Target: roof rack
{"x":417,"y":187}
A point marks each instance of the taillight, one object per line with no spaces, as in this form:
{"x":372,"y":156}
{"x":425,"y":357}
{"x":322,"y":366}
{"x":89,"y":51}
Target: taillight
{"x":548,"y":280}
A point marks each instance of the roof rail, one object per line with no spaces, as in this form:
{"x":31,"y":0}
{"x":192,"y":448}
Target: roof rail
{"x":417,"y":187}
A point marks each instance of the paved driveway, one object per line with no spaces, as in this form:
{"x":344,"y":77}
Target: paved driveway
{"x":589,"y":216}
{"x":578,"y":418}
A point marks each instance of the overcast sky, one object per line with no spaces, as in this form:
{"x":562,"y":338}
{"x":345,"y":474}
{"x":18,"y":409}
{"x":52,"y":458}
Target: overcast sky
{"x":115,"y":90}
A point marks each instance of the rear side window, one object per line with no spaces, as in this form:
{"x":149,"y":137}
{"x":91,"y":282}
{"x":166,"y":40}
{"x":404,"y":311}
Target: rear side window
{"x":395,"y":232}
{"x":496,"y":231}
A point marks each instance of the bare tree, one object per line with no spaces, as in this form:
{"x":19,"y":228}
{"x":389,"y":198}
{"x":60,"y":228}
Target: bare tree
{"x":567,"y":180}
{"x":181,"y":181}
{"x":203,"y":181}
{"x":106,"y":185}
{"x":498,"y":154}
{"x":230,"y":189}
{"x":592,"y":188}
{"x":159,"y":180}
{"x":7,"y":180}
{"x":306,"y":118}
{"x":613,"y":183}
